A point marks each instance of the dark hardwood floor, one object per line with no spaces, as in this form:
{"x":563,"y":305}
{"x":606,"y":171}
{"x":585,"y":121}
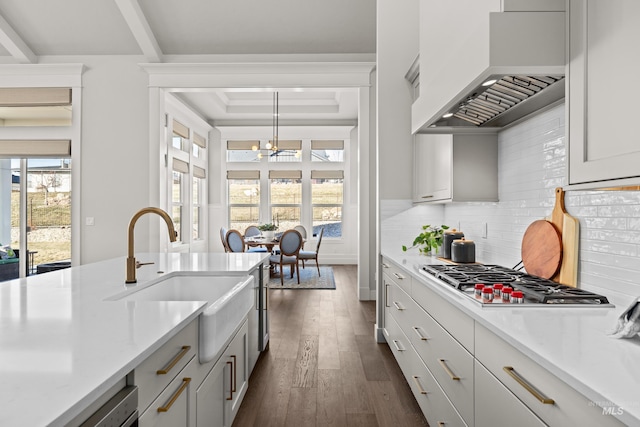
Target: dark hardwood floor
{"x":324,"y":367}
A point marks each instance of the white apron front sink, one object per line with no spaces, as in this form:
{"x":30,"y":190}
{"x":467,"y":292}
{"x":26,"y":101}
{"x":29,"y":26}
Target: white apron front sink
{"x":229,"y":300}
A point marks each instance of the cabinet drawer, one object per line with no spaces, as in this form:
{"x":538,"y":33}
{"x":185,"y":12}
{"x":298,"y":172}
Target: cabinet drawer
{"x":531,"y":383}
{"x":432,"y":400}
{"x":159,"y":369}
{"x":402,"y":308}
{"x":496,"y":405}
{"x":448,"y":361}
{"x":397,"y":275}
{"x":456,"y":322}
{"x":399,"y":345}
{"x":175,"y":406}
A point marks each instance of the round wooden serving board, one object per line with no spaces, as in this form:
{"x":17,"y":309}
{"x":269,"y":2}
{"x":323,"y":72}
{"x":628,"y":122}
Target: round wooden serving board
{"x":542,"y":249}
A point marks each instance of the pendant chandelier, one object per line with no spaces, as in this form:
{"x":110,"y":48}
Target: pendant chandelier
{"x":271,"y":148}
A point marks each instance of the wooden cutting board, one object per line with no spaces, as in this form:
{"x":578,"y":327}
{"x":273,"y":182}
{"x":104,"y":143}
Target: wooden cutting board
{"x":542,"y":249}
{"x":569,"y":229}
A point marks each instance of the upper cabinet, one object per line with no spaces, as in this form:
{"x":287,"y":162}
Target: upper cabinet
{"x":604,"y":148}
{"x":455,"y":168}
{"x":493,"y":39}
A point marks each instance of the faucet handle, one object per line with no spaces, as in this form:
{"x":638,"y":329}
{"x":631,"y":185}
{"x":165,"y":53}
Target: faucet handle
{"x":140,"y":264}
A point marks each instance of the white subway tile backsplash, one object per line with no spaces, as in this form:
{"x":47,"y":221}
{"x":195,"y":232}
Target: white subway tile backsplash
{"x":532,"y":160}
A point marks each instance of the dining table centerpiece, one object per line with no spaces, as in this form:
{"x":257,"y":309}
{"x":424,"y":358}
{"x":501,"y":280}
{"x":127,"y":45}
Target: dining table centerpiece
{"x":268,"y":230}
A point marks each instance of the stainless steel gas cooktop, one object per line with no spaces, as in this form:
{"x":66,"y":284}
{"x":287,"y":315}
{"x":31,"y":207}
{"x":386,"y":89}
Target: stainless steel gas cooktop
{"x":494,"y":285}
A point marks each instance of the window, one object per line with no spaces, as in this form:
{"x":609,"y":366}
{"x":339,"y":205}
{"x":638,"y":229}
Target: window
{"x":199,"y":176}
{"x":285,"y":195}
{"x":244,"y":198}
{"x":199,"y":145}
{"x":327,"y":197}
{"x":288,"y":151}
{"x":180,"y":138}
{"x":180,"y":169}
{"x":243,"y":151}
{"x":327,"y":151}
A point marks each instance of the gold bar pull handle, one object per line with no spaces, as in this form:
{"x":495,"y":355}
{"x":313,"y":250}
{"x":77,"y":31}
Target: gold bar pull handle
{"x":416,"y":379}
{"x":384,"y":265}
{"x":398,"y":306}
{"x":419,"y":334}
{"x":176,"y":395}
{"x":441,"y":423}
{"x":446,"y":368}
{"x":386,"y":295}
{"x":185,"y":349}
{"x":230,"y":381}
{"x":397,"y":344}
{"x":399,"y":276}
{"x":531,"y":389}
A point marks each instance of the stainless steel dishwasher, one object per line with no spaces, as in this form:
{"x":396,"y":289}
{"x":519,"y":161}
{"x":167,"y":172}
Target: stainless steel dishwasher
{"x":119,"y":411}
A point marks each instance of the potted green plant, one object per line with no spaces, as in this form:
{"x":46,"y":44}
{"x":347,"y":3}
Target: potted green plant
{"x":268,"y":230}
{"x":429,"y":241}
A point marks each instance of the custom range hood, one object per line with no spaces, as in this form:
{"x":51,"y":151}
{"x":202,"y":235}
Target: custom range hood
{"x":521,"y":72}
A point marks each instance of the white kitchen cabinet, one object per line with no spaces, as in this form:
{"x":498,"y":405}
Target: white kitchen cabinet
{"x":219,"y":396}
{"x":455,"y":168}
{"x":548,"y":397}
{"x":175,"y":406}
{"x":496,"y":405}
{"x":604,"y":148}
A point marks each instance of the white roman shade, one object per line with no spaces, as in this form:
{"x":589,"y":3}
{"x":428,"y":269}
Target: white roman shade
{"x":199,"y":140}
{"x":199,"y":172}
{"x":180,"y":166}
{"x":242,"y":145}
{"x":250,"y":174}
{"x":180,"y":129}
{"x":289,"y":144}
{"x":327,"y":144}
{"x":277,"y":174}
{"x":35,"y":148}
{"x":327,"y":174}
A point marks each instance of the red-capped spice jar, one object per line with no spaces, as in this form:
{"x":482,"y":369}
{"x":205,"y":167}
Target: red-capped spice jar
{"x":506,"y":294}
{"x":487,"y":295}
{"x":477,"y":290}
{"x":497,"y":290}
{"x":517,"y":297}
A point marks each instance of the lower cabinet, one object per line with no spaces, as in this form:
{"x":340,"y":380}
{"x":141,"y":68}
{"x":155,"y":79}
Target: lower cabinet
{"x":174,"y":407}
{"x":219,"y":396}
{"x":176,"y":390}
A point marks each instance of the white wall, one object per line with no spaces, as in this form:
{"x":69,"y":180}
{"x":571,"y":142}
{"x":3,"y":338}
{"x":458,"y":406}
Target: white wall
{"x":532,"y":163}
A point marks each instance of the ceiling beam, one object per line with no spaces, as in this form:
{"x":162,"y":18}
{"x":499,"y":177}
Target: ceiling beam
{"x":140,"y":29}
{"x":12,"y":42}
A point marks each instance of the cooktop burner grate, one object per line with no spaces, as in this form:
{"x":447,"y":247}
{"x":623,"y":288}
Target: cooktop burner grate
{"x":535,"y":289}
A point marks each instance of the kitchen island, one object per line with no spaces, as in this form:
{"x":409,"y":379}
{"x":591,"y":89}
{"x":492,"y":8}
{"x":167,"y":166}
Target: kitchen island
{"x":571,"y":350}
{"x":62,"y":344}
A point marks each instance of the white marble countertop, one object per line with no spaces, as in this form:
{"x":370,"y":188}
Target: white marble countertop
{"x":572,"y":343}
{"x":62,"y":345}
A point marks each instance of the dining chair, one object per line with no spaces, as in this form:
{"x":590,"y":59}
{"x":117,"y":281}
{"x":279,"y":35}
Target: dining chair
{"x":312,"y":255}
{"x":223,"y":238}
{"x":290,"y":244}
{"x":302,"y":231}
{"x":234,"y":240}
{"x":253,"y":231}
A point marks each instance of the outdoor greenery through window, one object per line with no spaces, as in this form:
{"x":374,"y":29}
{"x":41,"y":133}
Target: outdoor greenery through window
{"x":300,"y":191}
{"x":244,"y":198}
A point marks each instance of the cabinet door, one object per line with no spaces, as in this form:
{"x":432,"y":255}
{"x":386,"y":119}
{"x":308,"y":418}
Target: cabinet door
{"x":433,"y":160}
{"x":497,"y":406}
{"x":220,"y":395}
{"x":603,"y":139}
{"x":175,"y":406}
{"x":211,"y":396}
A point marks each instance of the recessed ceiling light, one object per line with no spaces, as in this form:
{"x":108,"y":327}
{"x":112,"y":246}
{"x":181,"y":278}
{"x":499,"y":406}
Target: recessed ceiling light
{"x":489,"y":82}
